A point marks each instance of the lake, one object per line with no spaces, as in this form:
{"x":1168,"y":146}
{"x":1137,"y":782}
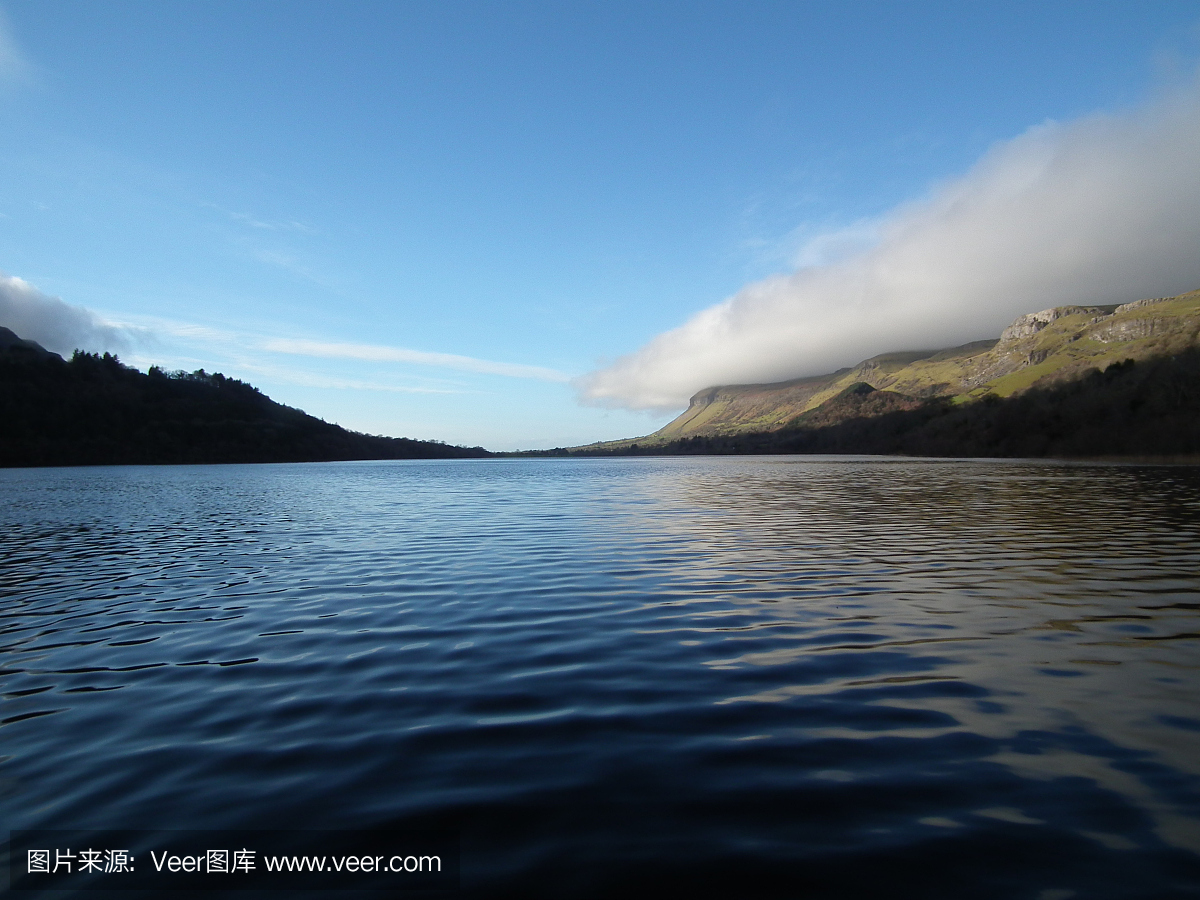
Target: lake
{"x":772,"y":676}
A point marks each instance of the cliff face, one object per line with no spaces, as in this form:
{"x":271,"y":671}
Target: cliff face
{"x":753,"y":406}
{"x":1038,"y":349}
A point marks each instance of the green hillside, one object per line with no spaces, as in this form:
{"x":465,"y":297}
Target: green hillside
{"x":1147,"y":410}
{"x":1038,"y":350}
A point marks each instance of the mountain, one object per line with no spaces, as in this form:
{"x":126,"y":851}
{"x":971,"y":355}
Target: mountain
{"x":1037,"y":351}
{"x":1131,"y":410}
{"x":1073,"y":381}
{"x":93,"y":410}
{"x":20,"y":348}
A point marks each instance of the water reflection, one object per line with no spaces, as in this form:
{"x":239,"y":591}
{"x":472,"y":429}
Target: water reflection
{"x":853,"y":663}
{"x":1066,"y":589}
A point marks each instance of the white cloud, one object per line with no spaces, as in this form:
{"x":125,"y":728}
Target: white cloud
{"x":63,"y":328}
{"x":249,"y":350}
{"x":834,"y":246}
{"x":262,"y":224}
{"x":1105,"y":209}
{"x":309,"y":379}
{"x":376,"y":353}
{"x":56,"y":325}
{"x":266,"y":225}
{"x":287,"y":262}
{"x":14,"y":67}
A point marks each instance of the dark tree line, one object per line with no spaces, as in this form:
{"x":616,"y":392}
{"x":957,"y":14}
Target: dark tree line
{"x":1151,"y":408}
{"x":93,"y":410}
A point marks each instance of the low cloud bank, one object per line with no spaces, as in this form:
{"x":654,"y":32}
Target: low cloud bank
{"x":56,"y":325}
{"x":1105,"y":209}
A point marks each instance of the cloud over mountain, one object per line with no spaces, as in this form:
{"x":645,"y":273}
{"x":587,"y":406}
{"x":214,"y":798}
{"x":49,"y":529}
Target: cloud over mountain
{"x":56,"y":325}
{"x":1104,"y":209}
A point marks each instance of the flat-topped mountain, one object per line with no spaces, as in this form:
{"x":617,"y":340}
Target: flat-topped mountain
{"x":1039,"y":350}
{"x":92,"y":410}
{"x":1073,"y":381}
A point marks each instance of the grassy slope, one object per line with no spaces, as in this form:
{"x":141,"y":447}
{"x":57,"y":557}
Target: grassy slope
{"x":1064,"y":349}
{"x":1147,"y":410}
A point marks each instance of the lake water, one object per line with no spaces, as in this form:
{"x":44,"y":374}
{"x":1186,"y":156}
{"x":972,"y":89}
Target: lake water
{"x":772,"y":676}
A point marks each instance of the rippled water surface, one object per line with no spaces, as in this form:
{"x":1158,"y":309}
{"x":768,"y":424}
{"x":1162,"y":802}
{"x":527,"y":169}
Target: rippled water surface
{"x":773,"y":676}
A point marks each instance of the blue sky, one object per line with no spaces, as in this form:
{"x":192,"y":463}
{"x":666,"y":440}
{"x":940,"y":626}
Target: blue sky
{"x":431,"y":219}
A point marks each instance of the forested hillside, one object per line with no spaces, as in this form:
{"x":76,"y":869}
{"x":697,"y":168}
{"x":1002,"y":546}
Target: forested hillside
{"x":93,"y":410}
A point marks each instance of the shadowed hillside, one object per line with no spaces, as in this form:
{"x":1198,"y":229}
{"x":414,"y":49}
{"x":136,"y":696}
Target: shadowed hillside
{"x":1145,"y":409}
{"x":92,"y":410}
